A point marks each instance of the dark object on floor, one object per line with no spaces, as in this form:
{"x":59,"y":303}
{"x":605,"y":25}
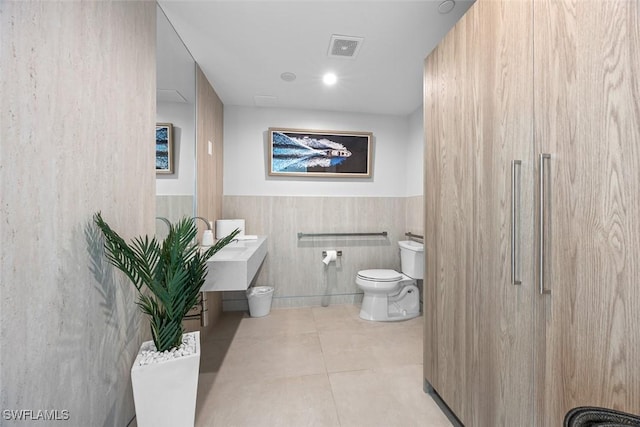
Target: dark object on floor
{"x":587,"y":416}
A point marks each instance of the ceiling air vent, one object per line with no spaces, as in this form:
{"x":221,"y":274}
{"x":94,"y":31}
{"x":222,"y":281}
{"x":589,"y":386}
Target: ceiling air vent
{"x":344,"y":46}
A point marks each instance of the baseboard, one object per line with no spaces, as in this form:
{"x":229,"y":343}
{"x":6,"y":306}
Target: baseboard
{"x":428,"y":388}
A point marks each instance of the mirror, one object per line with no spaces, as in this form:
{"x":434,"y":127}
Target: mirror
{"x":175,"y":104}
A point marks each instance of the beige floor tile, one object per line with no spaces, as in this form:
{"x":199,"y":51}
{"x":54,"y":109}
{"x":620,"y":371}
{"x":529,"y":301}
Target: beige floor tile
{"x":386,"y":397}
{"x":337,"y":318}
{"x":272,"y":371}
{"x":226,"y":326}
{"x":286,"y":402}
{"x":374,"y":348}
{"x":258,"y":358}
{"x":213,"y":353}
{"x":286,"y":321}
{"x":206,"y":381}
{"x":347,"y":317}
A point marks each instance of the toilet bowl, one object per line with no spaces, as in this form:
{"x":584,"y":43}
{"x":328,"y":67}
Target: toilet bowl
{"x":390,"y":295}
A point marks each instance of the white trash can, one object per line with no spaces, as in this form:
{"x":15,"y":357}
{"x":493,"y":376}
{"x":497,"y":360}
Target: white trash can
{"x":259,"y":300}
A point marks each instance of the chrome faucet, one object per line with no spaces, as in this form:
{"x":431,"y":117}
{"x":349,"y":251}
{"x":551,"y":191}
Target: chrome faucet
{"x":165,"y":220}
{"x":205,"y":221}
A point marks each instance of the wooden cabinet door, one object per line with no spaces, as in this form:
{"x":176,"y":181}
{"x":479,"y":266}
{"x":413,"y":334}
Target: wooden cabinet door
{"x":587,"y":116}
{"x":503,"y":312}
{"x":478,"y":119}
{"x":449,"y":175}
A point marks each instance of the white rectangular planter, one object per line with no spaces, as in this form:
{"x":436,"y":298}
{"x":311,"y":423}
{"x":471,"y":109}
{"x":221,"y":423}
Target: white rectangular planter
{"x":165,"y":393}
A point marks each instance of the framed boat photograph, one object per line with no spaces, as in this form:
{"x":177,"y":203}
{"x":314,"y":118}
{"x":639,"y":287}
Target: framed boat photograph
{"x":164,"y":148}
{"x":318,"y":153}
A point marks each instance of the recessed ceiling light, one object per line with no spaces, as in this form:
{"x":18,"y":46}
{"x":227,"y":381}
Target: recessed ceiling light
{"x":288,"y":77}
{"x":329,"y":79}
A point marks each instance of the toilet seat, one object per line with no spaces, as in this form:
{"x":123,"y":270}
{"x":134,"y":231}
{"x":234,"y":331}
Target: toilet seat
{"x":380,"y":275}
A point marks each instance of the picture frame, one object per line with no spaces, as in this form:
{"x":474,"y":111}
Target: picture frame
{"x":319,"y":153}
{"x":164,"y":148}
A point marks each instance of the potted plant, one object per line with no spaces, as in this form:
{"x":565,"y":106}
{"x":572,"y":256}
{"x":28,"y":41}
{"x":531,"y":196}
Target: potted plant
{"x":168,"y":276}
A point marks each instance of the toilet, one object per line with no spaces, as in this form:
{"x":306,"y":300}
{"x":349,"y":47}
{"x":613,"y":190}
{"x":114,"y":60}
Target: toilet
{"x":389,"y":295}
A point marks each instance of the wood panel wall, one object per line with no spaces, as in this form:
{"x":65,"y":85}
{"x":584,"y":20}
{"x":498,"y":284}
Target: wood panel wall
{"x":209,"y":168}
{"x":587,"y":113}
{"x":512,"y":80}
{"x":478,"y":109}
{"x":449,"y":168}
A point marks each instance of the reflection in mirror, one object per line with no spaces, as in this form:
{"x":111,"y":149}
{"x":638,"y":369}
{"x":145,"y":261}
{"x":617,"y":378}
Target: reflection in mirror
{"x":175,"y":104}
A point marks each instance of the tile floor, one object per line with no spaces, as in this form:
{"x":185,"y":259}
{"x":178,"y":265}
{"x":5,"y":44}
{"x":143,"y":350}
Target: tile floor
{"x":320,"y":366}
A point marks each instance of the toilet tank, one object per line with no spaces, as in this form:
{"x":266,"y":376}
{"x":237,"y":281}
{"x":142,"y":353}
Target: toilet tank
{"x":412,"y":258}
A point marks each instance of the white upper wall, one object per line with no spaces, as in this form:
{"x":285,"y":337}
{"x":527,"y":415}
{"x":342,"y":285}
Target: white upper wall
{"x":245,"y":153}
{"x":415,"y":154}
{"x":183,"y":180}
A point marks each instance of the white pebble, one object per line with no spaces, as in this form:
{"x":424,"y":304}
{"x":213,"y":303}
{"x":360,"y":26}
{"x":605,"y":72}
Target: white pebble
{"x":148,"y":354}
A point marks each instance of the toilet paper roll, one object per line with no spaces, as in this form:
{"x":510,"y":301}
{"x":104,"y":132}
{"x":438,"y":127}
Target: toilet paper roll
{"x":224,"y":227}
{"x":331,"y":256}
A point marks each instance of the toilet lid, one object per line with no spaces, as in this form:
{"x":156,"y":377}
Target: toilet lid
{"x":380,"y":275}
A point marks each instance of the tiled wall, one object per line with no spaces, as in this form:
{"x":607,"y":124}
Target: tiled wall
{"x":77,"y":109}
{"x":294,"y":266}
{"x":415,"y":217}
{"x":173,"y":208}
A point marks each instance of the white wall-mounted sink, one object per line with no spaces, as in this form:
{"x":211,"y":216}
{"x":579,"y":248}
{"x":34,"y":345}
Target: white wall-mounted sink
{"x":234,"y":266}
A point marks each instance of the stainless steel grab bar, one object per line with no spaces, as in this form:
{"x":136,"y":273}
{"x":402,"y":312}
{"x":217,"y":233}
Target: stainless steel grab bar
{"x":301,"y":235}
{"x":416,"y":236}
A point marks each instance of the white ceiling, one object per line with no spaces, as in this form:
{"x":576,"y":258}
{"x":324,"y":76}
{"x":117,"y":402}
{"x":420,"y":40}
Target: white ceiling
{"x":244,"y":46}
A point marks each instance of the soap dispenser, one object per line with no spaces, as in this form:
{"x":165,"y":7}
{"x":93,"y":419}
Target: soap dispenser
{"x":207,"y":238}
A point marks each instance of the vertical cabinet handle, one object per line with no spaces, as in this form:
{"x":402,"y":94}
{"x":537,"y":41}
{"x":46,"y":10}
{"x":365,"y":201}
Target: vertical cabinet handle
{"x":541,"y":256}
{"x":515,"y":219}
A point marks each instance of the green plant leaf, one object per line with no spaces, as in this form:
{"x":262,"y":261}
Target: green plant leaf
{"x":173,"y":271}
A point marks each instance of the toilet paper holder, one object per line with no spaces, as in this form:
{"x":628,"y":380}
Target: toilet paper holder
{"x":338,"y":253}
{"x":330,"y":256}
